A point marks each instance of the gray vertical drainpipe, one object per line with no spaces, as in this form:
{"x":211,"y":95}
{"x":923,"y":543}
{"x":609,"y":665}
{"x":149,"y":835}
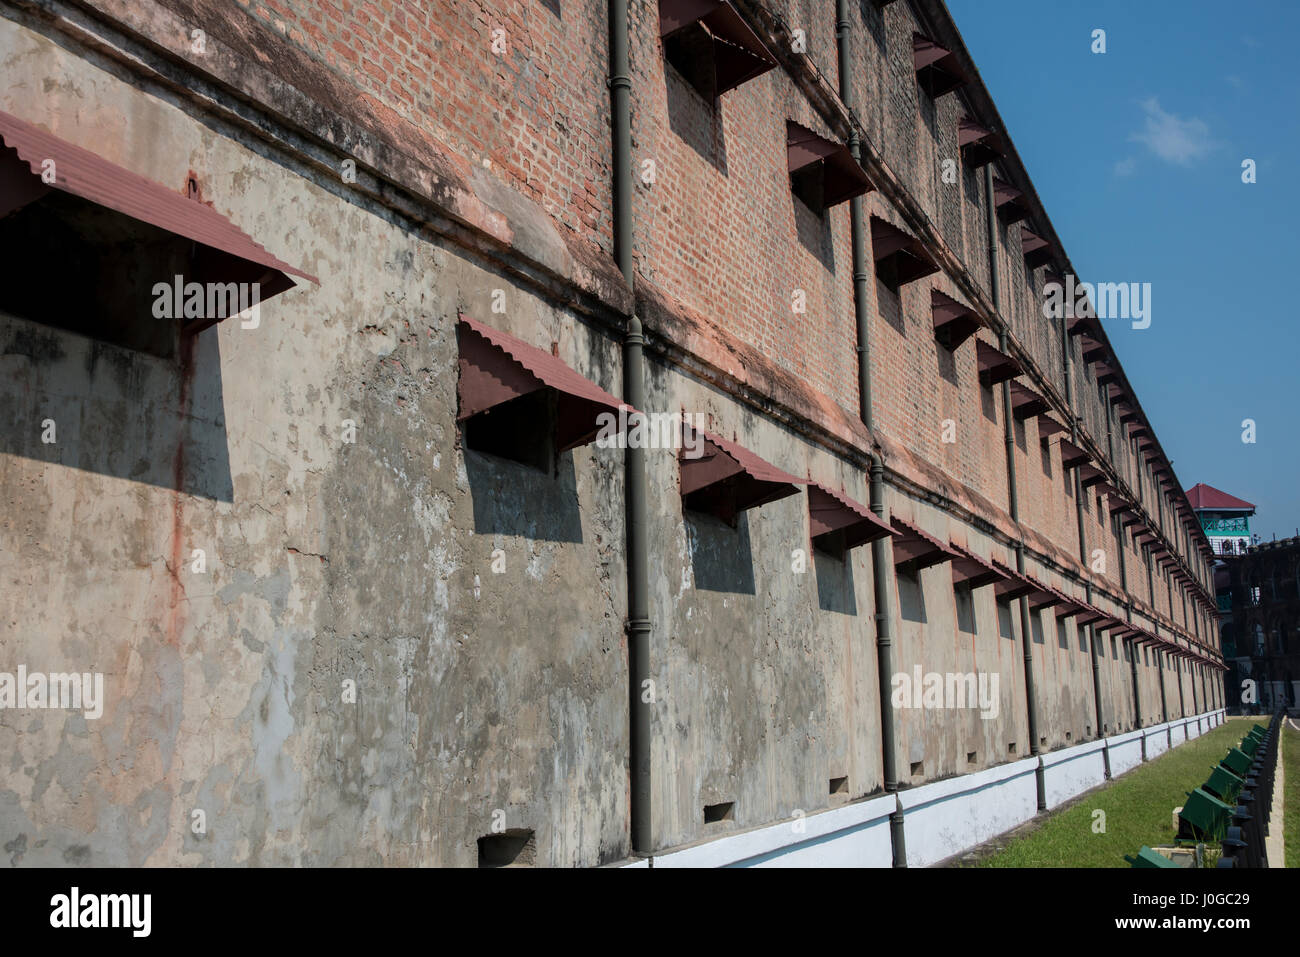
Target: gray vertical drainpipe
{"x":638,"y":582}
{"x":1123,"y":578}
{"x":1013,"y":505}
{"x":1164,"y":704}
{"x":881,"y":559}
{"x":1182,"y":704}
{"x":1090,"y":632}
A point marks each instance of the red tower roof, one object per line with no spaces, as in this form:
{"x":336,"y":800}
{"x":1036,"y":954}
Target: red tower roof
{"x":1204,"y":496}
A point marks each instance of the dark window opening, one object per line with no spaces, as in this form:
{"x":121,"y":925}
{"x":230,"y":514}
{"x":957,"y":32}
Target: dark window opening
{"x":91,"y":270}
{"x":516,"y":847}
{"x":714,"y":813}
{"x":1005,"y":628}
{"x":964,"y":599}
{"x":521,"y":430}
{"x":839,"y":786}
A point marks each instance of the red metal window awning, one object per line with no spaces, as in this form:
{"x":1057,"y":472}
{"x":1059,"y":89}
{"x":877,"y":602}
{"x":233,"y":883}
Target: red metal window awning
{"x":223,"y":253}
{"x":496,"y":368}
{"x":898,"y":254}
{"x":1109,"y":623}
{"x":916,"y":548}
{"x":995,"y":365}
{"x":1048,"y":426}
{"x":838,"y":523}
{"x":712,"y":45}
{"x":1034,"y":247}
{"x":1084,"y":322}
{"x":1013,"y":585}
{"x":1089,"y":614}
{"x":1118,"y":503}
{"x":1069,"y":606}
{"x":1090,"y":475}
{"x":1072,"y":455}
{"x":937,"y":69}
{"x":971,"y":571}
{"x":823,"y":173}
{"x":979,"y":144}
{"x":1026,"y":403}
{"x":1043,"y":596}
{"x":1104,"y":487}
{"x":954,"y":322}
{"x":1106,"y":373}
{"x":727,"y":479}
{"x":1009,"y":202}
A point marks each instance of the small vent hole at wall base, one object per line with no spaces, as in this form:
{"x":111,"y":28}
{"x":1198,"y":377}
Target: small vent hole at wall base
{"x":516,"y":847}
{"x":719,"y":812}
{"x":1069,"y":736}
{"x":1011,"y":747}
{"x":970,"y":757}
{"x":1042,"y":741}
{"x":918,"y":768}
{"x":839,"y":786}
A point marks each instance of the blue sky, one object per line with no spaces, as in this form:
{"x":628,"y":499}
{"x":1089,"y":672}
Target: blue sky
{"x":1136,"y":154}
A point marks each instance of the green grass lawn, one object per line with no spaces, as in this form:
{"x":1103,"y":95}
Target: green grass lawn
{"x":1291,"y":794}
{"x":1138,"y":808}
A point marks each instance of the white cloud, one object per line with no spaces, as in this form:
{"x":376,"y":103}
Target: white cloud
{"x":1125,"y":167}
{"x":1172,"y":138}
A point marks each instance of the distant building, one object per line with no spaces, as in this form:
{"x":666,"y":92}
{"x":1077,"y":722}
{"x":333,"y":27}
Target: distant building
{"x":1259,"y":595}
{"x":1224,"y":518}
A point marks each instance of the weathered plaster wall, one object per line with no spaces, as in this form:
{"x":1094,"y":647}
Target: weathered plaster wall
{"x":326,"y":560}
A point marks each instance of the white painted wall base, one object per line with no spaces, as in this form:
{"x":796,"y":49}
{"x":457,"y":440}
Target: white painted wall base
{"x":940,"y":819}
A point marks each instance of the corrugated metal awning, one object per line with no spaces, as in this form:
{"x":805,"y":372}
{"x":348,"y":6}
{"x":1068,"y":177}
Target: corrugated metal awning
{"x":225,"y":253}
{"x":995,"y":365}
{"x":824,"y":173}
{"x":1043,"y":596}
{"x":831,"y":513}
{"x":937,"y":68}
{"x":954,"y":322}
{"x":979,"y":144}
{"x":495,"y":368}
{"x":713,"y":30}
{"x":1026,"y":403}
{"x":1013,"y":585}
{"x":1072,"y":455}
{"x":1009,"y":202}
{"x":1034,"y":247}
{"x":727,"y":478}
{"x":971,"y":571}
{"x":1048,"y":426}
{"x":895,"y":249}
{"x":917,"y":548}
